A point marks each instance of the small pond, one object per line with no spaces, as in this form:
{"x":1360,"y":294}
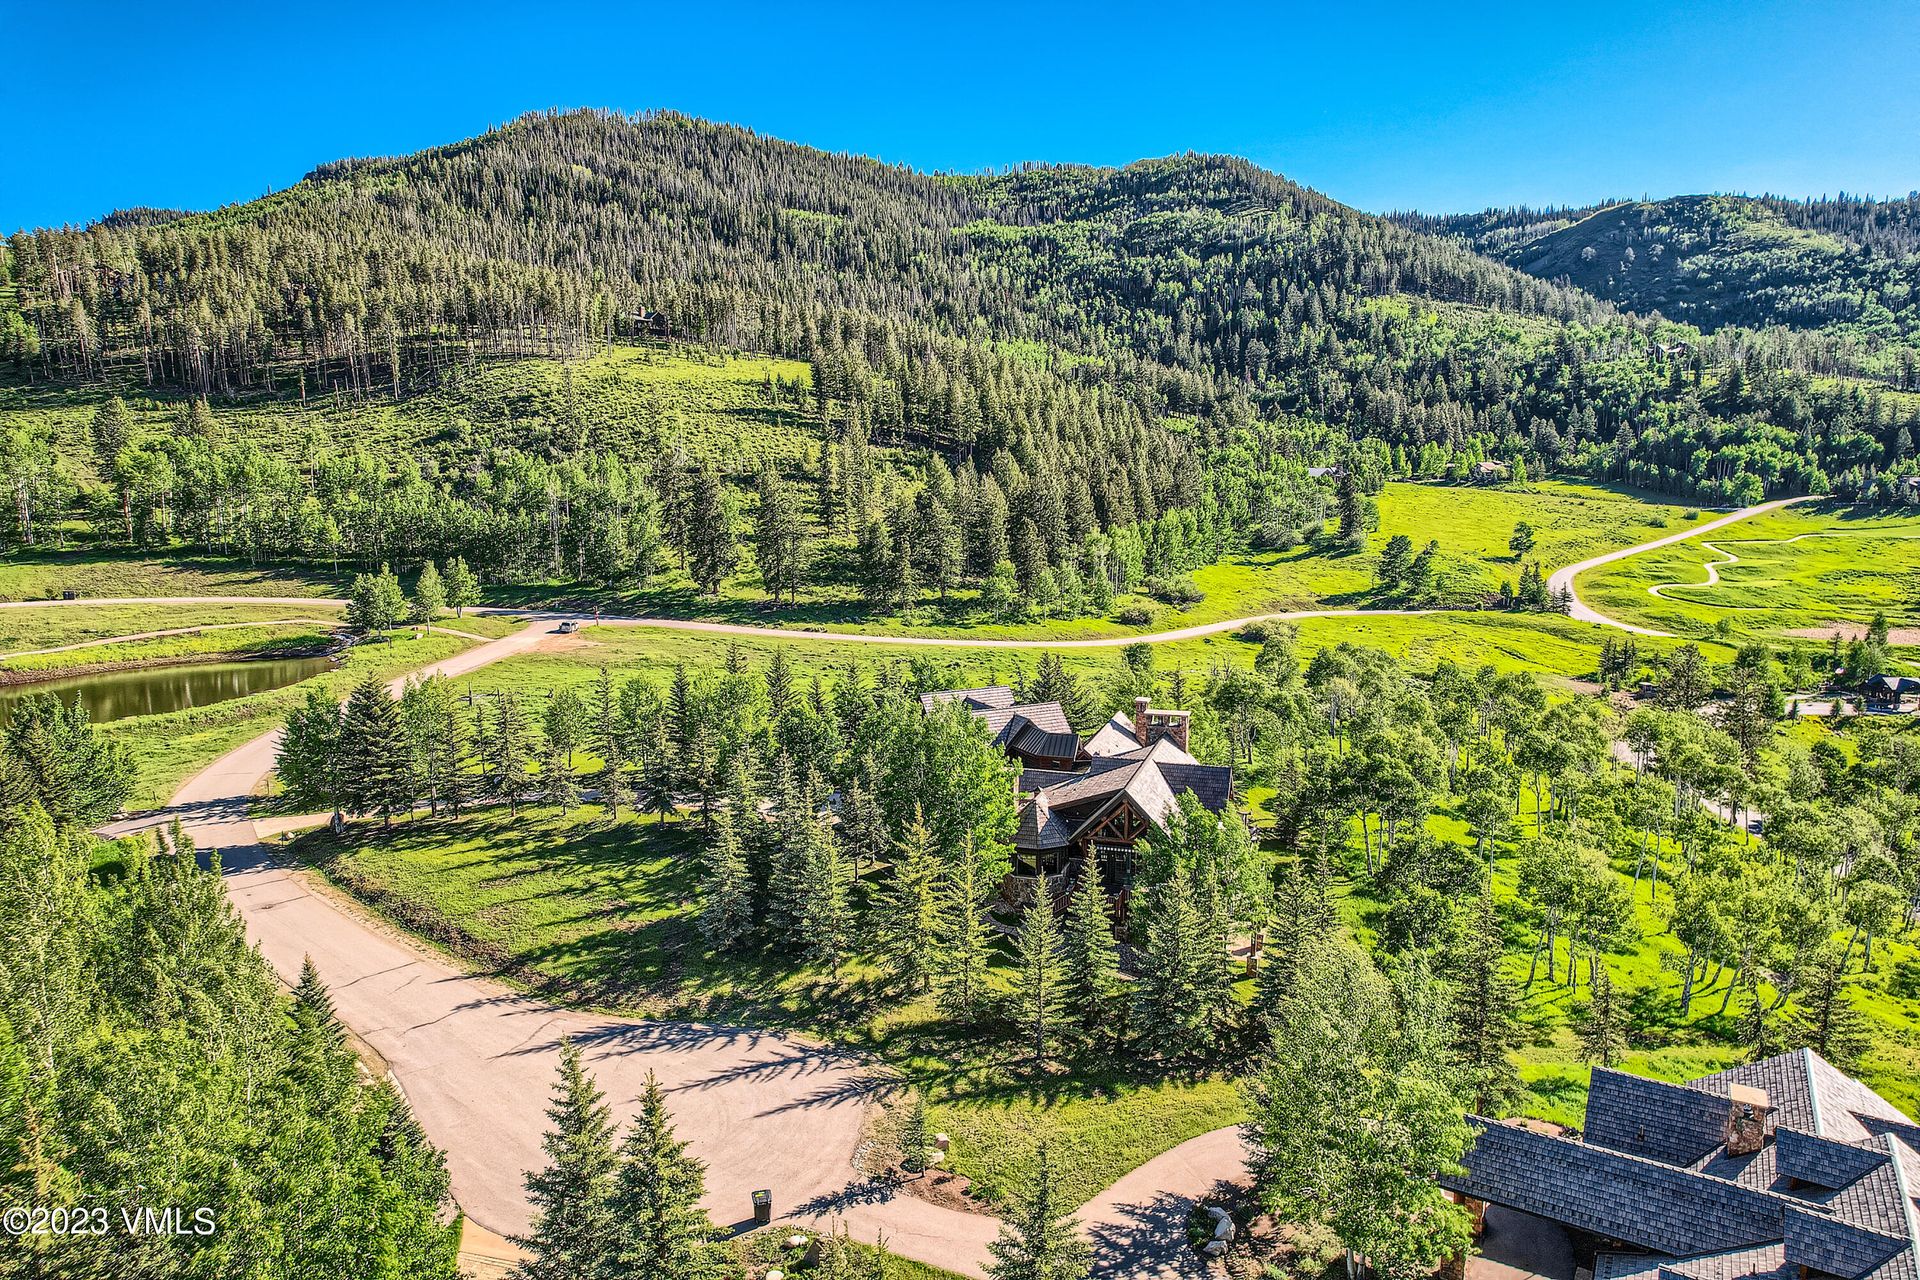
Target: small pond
{"x":146,"y":691}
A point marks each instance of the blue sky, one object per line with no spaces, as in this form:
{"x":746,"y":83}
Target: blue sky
{"x":1438,"y":106}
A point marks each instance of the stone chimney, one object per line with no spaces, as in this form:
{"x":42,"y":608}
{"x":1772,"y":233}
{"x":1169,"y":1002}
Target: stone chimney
{"x":1149,"y":726}
{"x":1749,"y":1119}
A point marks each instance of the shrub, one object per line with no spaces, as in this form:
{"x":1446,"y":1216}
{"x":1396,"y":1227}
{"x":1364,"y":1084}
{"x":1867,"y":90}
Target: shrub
{"x":1134,"y":615}
{"x":1180,"y":592}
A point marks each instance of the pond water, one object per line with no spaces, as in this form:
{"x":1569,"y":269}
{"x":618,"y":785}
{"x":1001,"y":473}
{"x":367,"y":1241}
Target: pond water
{"x":146,"y":691}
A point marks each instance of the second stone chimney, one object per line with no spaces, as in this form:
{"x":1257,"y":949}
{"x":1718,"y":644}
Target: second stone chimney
{"x":1149,"y":725}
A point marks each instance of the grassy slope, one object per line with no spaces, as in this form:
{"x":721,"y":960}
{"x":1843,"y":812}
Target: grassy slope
{"x":44,"y":575}
{"x":237,"y":642}
{"x":41,"y":628}
{"x":712,"y":405}
{"x":1848,"y":563}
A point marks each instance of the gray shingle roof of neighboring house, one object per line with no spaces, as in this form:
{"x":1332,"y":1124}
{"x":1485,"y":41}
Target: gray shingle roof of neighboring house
{"x":986,"y":698}
{"x":1666,"y":1122}
{"x":1822,"y":1161}
{"x":1830,"y":1190}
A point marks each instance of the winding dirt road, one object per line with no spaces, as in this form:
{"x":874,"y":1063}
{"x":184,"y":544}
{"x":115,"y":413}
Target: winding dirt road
{"x":1563,"y":579}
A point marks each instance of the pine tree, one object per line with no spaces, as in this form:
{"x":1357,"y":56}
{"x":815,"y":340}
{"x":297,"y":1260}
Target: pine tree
{"x":429,"y":594}
{"x":726,"y":894}
{"x":663,"y":1233}
{"x":1602,"y":1037}
{"x":1486,"y":1028}
{"x":557,"y":784}
{"x":1173,"y":997}
{"x":1037,"y":986}
{"x":916,"y":1143}
{"x":779,"y":537}
{"x":713,"y":551}
{"x":575,"y":1234}
{"x":505,"y":751}
{"x":1040,"y":1238}
{"x":825,"y":915}
{"x":906,"y":908}
{"x":373,"y":759}
{"x":308,"y":757}
{"x":1090,"y":988}
{"x":1828,"y":1020}
{"x":962,"y":977}
{"x":112,"y":429}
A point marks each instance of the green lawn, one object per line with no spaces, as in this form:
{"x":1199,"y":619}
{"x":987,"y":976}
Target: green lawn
{"x":27,"y":574}
{"x":238,"y":642}
{"x":1802,"y":567}
{"x":601,"y":916}
{"x":46,"y":626}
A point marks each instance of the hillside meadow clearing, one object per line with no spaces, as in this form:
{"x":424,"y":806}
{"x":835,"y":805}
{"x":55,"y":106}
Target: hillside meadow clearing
{"x":735,"y":410}
{"x":1798,"y":568}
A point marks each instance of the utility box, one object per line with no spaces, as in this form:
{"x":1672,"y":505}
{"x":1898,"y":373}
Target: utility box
{"x":762,"y":1208}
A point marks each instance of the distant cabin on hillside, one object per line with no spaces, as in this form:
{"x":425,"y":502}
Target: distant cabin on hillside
{"x":1490,"y":472}
{"x":1887,"y":693}
{"x":1105,"y":795}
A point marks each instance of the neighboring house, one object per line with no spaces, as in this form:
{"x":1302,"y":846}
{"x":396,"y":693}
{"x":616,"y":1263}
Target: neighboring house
{"x":1783,"y":1169}
{"x":1034,"y":733}
{"x":1887,"y":693}
{"x":1490,"y":472}
{"x":1107,"y":794}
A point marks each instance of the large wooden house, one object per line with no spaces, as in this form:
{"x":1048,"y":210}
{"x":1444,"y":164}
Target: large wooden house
{"x":1103,"y":796}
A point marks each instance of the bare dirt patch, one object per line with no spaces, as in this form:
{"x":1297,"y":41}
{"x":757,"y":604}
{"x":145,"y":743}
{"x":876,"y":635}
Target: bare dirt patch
{"x":1856,"y":631}
{"x":558,"y":643}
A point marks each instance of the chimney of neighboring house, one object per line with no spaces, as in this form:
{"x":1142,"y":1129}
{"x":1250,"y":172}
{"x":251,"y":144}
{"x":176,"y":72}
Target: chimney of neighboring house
{"x":1177,"y":722}
{"x":1140,"y":706}
{"x":1749,"y":1119}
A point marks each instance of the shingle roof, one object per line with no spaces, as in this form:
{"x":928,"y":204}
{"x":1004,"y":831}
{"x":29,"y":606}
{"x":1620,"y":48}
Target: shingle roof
{"x":1822,"y":1161}
{"x":1041,"y":828}
{"x":1831,"y":1191}
{"x":985,"y":698}
{"x":1113,"y":738}
{"x":1825,"y":1243}
{"x":1615,"y":1195}
{"x":1670,"y":1123}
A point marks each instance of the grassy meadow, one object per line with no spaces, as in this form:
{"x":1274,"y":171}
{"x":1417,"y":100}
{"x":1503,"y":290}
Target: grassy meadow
{"x":243,"y":641}
{"x":1805,"y":566}
{"x":727,"y":408}
{"x":47,"y":626}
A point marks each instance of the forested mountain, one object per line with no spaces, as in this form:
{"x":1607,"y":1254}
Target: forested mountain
{"x":1075,"y":358}
{"x":1845,"y":267}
